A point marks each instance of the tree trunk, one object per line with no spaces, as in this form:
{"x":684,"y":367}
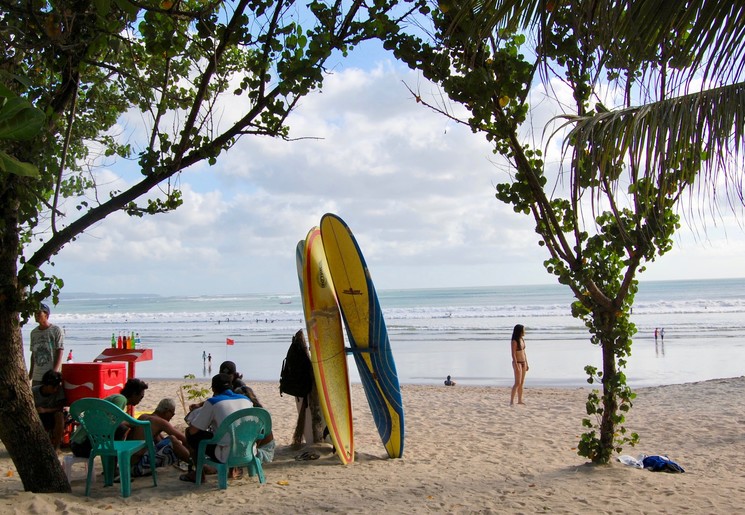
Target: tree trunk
{"x":21,"y":430}
{"x":610,"y":400}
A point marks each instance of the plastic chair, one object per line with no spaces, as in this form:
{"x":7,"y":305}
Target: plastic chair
{"x":244,"y":428}
{"x":69,"y":460}
{"x":100,"y":418}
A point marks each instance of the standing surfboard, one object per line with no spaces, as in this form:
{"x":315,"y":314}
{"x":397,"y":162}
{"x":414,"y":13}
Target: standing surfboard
{"x":326,"y":339}
{"x":366,"y":330}
{"x":315,"y":422}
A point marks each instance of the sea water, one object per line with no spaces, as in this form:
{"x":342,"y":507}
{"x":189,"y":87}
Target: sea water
{"x":462,"y":332}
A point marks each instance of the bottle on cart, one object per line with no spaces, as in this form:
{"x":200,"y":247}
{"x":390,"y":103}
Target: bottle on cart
{"x":113,"y":341}
{"x":119,"y":342}
{"x":137,"y":341}
{"x":132,"y":340}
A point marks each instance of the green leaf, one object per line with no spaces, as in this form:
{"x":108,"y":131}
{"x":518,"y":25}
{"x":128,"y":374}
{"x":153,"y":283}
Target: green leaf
{"x":12,"y":165}
{"x":19,"y":120}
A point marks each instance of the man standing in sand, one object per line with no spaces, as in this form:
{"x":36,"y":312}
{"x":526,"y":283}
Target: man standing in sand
{"x":47,"y":346}
{"x":168,"y":448}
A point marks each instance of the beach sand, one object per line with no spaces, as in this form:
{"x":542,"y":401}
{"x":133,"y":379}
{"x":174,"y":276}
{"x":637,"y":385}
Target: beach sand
{"x":466,"y":451}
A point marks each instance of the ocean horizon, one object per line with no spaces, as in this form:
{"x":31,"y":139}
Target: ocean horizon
{"x":462,"y":332}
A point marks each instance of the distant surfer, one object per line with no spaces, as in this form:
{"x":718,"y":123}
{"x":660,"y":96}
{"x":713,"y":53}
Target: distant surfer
{"x":449,"y":382}
{"x":519,"y":363}
{"x":662,"y":335}
{"x":204,"y":357}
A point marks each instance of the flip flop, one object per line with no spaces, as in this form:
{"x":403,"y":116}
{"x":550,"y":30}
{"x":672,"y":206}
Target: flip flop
{"x":307,"y":456}
{"x":302,"y":457}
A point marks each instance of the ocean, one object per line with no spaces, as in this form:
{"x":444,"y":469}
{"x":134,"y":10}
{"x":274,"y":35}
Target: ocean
{"x":462,"y":332}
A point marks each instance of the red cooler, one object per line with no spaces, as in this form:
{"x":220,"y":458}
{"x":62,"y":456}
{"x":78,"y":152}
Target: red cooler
{"x":100,"y":380}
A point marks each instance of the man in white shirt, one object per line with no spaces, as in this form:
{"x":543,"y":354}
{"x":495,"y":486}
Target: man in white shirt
{"x":203,"y":421}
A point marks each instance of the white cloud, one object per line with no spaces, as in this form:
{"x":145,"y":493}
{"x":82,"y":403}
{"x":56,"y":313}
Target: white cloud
{"x":417,"y":190}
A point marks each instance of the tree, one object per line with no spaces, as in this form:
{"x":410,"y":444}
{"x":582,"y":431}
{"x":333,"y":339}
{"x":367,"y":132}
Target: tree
{"x":674,"y":128}
{"x":173,"y":63}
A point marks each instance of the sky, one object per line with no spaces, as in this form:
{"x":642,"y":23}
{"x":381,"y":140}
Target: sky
{"x":416,"y":189}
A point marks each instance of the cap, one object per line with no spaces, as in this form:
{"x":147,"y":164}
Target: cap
{"x":220,"y":383}
{"x":44,"y":307}
{"x":227,"y":367}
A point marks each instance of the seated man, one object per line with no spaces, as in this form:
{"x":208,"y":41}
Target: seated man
{"x":49,"y":398}
{"x":132,"y":394}
{"x":203,"y":421}
{"x":265,"y":446}
{"x":168,"y":448}
{"x":449,"y":382}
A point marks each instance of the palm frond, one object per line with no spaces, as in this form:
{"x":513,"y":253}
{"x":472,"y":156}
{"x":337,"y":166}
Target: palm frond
{"x":698,"y":132}
{"x":710,"y":33}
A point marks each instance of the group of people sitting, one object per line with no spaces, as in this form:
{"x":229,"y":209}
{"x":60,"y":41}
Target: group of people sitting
{"x":230,"y":394}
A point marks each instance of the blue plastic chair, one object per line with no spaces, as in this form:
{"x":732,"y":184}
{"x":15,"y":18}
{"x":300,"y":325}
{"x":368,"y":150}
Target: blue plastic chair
{"x":244,"y":428}
{"x":100,"y":419}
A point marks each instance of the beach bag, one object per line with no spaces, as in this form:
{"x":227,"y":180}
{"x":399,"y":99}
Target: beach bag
{"x":661,"y":464}
{"x":296,"y":377}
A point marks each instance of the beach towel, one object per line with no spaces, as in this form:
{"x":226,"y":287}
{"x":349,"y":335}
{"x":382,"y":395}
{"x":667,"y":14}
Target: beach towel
{"x":164,"y":455}
{"x":661,"y":464}
{"x":631,"y":461}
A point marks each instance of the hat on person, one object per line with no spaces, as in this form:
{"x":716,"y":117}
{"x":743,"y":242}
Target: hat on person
{"x":220,"y":383}
{"x":44,"y":307}
{"x":227,"y":367}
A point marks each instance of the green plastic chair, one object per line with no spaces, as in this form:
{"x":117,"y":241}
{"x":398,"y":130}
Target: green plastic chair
{"x":244,"y":428}
{"x":100,"y":419}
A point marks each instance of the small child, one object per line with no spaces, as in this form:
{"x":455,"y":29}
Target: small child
{"x":449,"y":382}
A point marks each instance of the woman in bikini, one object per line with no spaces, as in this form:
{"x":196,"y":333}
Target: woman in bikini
{"x":519,"y":363}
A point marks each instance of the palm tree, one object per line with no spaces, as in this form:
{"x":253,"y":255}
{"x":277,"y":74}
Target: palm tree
{"x":678,"y":128}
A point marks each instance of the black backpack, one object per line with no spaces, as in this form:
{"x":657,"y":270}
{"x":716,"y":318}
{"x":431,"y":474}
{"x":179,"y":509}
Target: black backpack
{"x":296,"y":377}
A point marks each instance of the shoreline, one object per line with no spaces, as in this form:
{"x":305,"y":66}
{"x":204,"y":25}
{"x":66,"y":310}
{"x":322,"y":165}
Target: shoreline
{"x":466,"y":451}
{"x":542,"y":384}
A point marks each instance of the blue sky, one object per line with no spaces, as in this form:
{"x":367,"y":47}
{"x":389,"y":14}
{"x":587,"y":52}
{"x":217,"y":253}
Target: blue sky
{"x":417,"y":190}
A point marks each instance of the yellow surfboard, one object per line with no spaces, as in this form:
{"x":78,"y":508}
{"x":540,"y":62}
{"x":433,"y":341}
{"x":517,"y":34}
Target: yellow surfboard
{"x":326,"y":339}
{"x":368,"y":336}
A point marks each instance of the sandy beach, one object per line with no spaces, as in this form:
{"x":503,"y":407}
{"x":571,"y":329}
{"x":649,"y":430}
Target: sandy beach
{"x":467,"y":451}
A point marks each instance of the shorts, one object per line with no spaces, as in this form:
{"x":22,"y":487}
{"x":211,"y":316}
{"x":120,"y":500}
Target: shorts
{"x":193,"y":440}
{"x":47,"y":419}
{"x":164,"y":455}
{"x":81,"y":450}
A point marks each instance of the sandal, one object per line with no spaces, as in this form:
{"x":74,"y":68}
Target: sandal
{"x":188,"y":477}
{"x":306,"y":456}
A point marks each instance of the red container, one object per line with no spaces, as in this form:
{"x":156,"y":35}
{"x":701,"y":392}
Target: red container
{"x":82,"y":380}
